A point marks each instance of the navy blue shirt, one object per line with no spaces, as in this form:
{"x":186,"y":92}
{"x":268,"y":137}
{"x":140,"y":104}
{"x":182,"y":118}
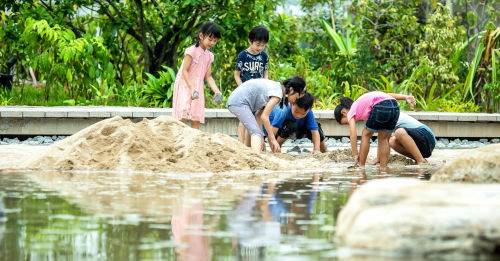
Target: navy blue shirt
{"x":251,"y":66}
{"x":278,"y":116}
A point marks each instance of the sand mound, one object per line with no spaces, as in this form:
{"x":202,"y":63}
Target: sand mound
{"x":163,"y":144}
{"x":398,"y":159}
{"x":338,"y":155}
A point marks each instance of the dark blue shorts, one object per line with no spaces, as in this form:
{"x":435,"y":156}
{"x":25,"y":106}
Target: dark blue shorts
{"x":424,"y":139}
{"x":383,"y":117}
{"x":290,"y":130}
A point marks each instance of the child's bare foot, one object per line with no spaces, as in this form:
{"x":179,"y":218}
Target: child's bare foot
{"x":375,"y":162}
{"x":422,"y":162}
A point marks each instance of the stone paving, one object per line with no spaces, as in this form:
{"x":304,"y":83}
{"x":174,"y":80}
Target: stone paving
{"x":140,"y":112}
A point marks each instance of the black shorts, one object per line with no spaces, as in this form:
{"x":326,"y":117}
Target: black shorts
{"x":290,"y":130}
{"x":424,"y":139}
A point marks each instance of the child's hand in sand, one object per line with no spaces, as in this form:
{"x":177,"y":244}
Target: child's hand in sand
{"x":275,"y":147}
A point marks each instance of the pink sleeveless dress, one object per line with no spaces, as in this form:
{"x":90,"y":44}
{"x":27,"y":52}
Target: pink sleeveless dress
{"x":182,"y":105}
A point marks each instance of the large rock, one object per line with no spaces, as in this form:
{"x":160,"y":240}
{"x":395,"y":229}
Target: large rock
{"x":409,"y":217}
{"x":481,"y":165}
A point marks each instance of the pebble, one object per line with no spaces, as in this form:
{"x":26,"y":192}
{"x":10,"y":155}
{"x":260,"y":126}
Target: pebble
{"x":442,"y":143}
{"x":37,"y":140}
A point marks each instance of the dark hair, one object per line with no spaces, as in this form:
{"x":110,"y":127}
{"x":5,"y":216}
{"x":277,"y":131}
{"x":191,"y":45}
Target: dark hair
{"x":296,"y":83}
{"x":305,"y":102}
{"x":345,"y":103}
{"x":259,"y":33}
{"x":208,"y":29}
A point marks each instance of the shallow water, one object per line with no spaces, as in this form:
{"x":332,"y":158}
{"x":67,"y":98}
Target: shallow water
{"x":151,"y":216}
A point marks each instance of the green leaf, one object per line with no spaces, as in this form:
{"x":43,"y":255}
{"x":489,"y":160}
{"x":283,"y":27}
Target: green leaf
{"x":69,"y":77}
{"x":334,"y":36}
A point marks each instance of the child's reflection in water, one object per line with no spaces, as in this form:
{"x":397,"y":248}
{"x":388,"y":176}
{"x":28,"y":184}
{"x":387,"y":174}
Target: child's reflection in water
{"x":260,"y":218}
{"x":191,"y":239}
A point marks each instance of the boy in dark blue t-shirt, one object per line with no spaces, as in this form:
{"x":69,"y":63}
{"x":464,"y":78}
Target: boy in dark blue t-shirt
{"x":252,"y":63}
{"x":296,"y":121}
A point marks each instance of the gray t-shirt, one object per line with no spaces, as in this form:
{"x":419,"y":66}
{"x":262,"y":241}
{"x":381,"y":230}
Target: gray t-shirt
{"x":255,"y":93}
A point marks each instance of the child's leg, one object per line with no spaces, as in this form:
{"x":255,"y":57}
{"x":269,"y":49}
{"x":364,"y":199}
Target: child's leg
{"x":256,"y":141}
{"x":248,"y":119}
{"x":383,"y":148}
{"x":241,"y":133}
{"x":195,"y":125}
{"x":322,"y":147}
{"x":404,"y":144}
{"x":377,"y":160}
{"x":280,"y":140}
{"x":248,"y":141}
{"x":364,"y":148}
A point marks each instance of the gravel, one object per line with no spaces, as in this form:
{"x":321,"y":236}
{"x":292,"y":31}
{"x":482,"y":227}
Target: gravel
{"x":37,"y":140}
{"x":442,"y":143}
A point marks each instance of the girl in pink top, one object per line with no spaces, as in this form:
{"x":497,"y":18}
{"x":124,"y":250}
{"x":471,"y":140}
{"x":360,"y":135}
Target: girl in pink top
{"x":381,"y":112}
{"x":189,"y":96}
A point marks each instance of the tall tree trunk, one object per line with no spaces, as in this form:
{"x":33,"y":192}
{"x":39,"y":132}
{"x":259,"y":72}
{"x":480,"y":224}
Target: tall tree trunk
{"x":144,"y":41}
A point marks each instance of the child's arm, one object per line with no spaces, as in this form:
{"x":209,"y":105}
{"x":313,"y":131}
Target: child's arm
{"x":237,"y":77}
{"x":185,"y":73}
{"x":354,"y":139}
{"x":409,"y":98}
{"x":210,"y":80}
{"x":275,"y":147}
{"x":316,"y":140}
{"x":266,"y":76}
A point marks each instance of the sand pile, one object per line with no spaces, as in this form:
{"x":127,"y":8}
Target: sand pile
{"x":162,"y":144}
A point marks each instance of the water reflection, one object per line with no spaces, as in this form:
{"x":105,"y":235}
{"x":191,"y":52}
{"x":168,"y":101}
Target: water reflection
{"x":2,"y":220}
{"x":266,"y":217}
{"x":191,"y":233}
{"x":148,"y":216}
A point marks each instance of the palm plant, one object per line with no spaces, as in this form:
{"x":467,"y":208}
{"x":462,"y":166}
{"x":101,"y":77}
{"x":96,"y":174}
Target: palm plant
{"x":481,"y":82}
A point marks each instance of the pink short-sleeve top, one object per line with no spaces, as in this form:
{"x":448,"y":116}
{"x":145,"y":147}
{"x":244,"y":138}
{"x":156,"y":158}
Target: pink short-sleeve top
{"x":361,"y":108}
{"x":201,"y":60}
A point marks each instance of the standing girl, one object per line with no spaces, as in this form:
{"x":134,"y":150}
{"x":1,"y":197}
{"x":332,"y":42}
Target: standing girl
{"x":189,"y":96}
{"x":381,"y":112}
{"x":259,"y":96}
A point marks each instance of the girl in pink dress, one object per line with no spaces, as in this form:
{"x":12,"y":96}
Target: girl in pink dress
{"x":189,"y":96}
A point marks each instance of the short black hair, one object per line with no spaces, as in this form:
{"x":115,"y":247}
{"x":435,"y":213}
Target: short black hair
{"x":345,"y":103}
{"x":259,"y":33}
{"x":209,"y":29}
{"x":305,"y":102}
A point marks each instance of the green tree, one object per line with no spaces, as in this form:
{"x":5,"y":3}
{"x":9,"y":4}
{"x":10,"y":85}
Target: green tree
{"x":434,"y":69}
{"x":389,"y":32}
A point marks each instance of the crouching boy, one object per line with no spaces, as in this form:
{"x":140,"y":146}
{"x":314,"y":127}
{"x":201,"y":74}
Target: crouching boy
{"x":296,"y":121}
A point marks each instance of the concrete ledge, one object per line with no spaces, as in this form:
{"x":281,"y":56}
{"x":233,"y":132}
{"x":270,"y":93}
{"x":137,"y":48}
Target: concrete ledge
{"x":62,"y":120}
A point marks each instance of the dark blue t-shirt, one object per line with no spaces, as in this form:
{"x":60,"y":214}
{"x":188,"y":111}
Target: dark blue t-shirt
{"x":251,"y":66}
{"x":278,"y":116}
